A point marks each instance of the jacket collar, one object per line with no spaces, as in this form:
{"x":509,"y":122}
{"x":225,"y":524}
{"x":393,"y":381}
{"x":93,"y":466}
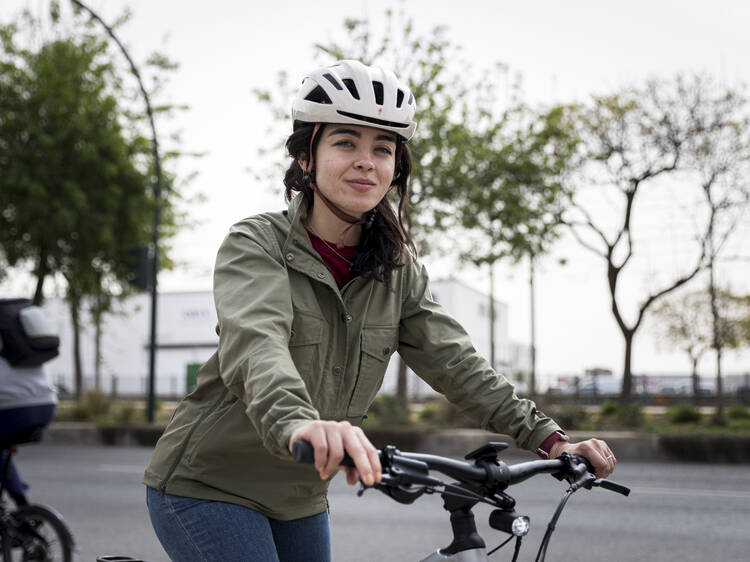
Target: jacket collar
{"x":297,"y":216}
{"x":304,"y":257}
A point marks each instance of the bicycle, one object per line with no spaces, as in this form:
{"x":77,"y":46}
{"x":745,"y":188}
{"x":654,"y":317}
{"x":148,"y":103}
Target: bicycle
{"x":406,"y":477}
{"x":32,"y":532}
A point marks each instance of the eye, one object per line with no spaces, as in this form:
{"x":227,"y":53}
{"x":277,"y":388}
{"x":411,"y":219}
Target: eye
{"x":385,"y":150}
{"x":344,"y":142}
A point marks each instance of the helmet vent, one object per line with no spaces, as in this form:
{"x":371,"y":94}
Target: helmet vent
{"x":333,"y":81}
{"x":411,"y":99}
{"x":377,"y":87}
{"x":399,"y":98}
{"x":349,"y":83}
{"x":373,"y":120}
{"x":318,"y":95}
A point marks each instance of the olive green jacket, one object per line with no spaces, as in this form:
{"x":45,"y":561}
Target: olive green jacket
{"x":294,"y":348}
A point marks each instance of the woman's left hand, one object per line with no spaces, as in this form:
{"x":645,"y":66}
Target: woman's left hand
{"x":596,"y":451}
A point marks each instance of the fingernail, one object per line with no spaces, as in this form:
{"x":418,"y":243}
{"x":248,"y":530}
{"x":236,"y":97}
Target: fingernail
{"x":378,"y":477}
{"x":369,"y":480}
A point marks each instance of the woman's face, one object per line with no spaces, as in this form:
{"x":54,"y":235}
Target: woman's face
{"x":354,"y":166}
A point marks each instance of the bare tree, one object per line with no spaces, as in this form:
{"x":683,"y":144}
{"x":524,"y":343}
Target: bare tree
{"x":685,"y":321}
{"x":631,"y":141}
{"x":723,"y":161}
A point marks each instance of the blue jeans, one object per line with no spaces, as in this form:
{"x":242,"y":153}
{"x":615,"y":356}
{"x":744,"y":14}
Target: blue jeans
{"x":191,"y":530}
{"x":12,"y":421}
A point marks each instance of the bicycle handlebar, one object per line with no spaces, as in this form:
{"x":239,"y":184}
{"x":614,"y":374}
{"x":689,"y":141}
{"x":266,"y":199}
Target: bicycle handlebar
{"x":496,"y":475}
{"x":406,"y":476}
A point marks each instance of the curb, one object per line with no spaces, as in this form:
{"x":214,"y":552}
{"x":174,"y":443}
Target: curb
{"x":627,"y":445}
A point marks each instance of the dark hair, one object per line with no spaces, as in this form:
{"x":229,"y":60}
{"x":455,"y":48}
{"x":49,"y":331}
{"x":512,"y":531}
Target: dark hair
{"x":385,"y":244}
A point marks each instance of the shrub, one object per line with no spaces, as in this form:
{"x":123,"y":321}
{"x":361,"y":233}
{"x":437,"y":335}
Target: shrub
{"x":684,"y":413}
{"x":386,"y":411}
{"x":608,"y":409}
{"x":738,"y":412}
{"x":571,"y":417}
{"x":126,"y":413}
{"x":428,"y":413}
{"x":94,"y":404}
{"x":629,"y":415}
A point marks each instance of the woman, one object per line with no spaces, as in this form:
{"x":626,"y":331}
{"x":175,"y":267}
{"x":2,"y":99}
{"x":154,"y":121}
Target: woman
{"x":312,"y":302}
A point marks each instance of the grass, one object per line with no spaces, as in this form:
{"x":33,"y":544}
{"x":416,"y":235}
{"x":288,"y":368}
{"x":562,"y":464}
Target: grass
{"x":702,"y":427}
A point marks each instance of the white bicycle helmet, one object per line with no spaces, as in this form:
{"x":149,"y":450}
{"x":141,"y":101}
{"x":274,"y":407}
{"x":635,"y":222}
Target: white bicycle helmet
{"x":351,"y":92}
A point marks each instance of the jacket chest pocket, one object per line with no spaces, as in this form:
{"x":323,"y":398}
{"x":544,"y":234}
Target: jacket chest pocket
{"x":378,"y":344}
{"x":304,"y":347}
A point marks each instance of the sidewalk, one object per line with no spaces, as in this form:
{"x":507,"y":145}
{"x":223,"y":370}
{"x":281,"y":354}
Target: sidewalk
{"x":627,"y":445}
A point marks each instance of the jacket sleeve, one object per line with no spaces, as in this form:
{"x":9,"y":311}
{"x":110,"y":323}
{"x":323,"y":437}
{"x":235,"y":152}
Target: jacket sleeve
{"x":439,"y":350}
{"x":254,"y":309}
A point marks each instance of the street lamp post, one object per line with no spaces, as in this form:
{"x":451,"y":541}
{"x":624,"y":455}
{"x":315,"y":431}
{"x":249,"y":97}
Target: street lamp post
{"x":157,"y":209}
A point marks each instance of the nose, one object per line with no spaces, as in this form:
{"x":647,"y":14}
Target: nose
{"x":364,"y":161}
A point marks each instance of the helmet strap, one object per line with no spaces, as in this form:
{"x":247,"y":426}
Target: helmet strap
{"x":309,"y":178}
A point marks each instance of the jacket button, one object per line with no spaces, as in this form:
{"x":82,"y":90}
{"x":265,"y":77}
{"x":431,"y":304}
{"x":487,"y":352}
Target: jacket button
{"x":290,"y":257}
{"x":347,"y":318}
{"x":321,"y":275}
{"x":386,"y":350}
{"x":337,"y":370}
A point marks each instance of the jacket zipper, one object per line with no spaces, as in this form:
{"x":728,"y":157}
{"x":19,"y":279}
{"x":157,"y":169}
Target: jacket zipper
{"x":183,"y":447}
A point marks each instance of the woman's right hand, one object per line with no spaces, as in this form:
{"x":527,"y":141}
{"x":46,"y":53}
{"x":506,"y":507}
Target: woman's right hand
{"x":330,"y":439}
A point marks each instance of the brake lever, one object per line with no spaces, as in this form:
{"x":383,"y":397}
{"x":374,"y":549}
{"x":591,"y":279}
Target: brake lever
{"x":585,"y":480}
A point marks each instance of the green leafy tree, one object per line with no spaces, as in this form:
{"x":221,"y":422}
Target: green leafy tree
{"x":512,"y":198}
{"x":75,"y":170}
{"x":461,"y":135}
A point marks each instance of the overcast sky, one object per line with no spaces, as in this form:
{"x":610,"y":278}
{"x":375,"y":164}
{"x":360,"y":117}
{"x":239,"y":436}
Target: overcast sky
{"x":564,"y":51}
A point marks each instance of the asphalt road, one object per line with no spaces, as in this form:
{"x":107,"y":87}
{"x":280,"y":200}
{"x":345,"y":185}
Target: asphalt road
{"x":677,"y":512}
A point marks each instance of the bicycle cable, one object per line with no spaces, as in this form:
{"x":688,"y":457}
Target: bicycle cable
{"x":501,"y":545}
{"x":517,"y":550}
{"x":540,"y":556}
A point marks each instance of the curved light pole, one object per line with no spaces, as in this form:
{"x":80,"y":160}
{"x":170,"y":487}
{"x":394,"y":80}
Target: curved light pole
{"x":157,"y":209}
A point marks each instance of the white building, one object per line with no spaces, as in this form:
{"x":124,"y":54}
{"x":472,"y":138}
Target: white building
{"x":186,"y":337}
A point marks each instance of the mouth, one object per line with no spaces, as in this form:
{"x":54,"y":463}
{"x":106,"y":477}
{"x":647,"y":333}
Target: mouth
{"x":361,"y":184}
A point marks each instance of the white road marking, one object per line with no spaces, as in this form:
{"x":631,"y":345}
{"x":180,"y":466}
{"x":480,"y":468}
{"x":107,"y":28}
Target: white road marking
{"x":126,"y":468}
{"x":696,"y":492}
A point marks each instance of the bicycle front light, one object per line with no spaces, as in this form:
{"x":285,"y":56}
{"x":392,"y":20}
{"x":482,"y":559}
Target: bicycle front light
{"x":510,"y":522}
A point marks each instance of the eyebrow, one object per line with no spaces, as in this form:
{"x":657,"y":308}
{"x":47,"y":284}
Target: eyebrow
{"x":347,"y":131}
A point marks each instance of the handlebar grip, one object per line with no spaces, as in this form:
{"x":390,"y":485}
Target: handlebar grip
{"x":614,"y":487}
{"x":303,"y":451}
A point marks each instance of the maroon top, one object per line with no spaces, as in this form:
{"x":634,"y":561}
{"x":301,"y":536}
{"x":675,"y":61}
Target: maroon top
{"x":337,"y":265}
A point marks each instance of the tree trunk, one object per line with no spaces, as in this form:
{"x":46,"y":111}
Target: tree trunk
{"x":74,"y":314}
{"x":97,"y":349}
{"x":402,"y":392}
{"x":719,"y":390}
{"x":627,"y":375}
{"x":718,"y":342}
{"x":41,"y":275}
{"x":696,"y":381}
